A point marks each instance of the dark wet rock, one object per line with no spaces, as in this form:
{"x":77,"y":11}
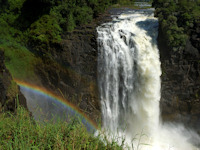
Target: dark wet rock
{"x":180,"y":98}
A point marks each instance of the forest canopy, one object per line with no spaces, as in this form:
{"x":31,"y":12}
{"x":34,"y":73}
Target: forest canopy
{"x":39,"y":23}
{"x":178,"y":20}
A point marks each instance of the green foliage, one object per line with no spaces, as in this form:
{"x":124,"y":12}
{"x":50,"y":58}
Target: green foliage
{"x":5,"y":30}
{"x":15,"y":5}
{"x":19,"y":61}
{"x":71,"y":22}
{"x":44,"y":31}
{"x":60,"y":13}
{"x":177,"y":19}
{"x":20,"y":131}
{"x":42,"y":28}
{"x":125,"y":2}
{"x":12,"y":90}
{"x":22,"y":26}
{"x":92,"y":3}
{"x":83,"y":15}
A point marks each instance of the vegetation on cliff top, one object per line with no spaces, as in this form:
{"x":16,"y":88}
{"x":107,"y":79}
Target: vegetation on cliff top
{"x":28,"y":26}
{"x":178,"y":20}
{"x":40,"y":23}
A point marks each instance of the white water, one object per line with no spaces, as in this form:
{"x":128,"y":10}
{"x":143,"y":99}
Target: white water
{"x":129,"y":84}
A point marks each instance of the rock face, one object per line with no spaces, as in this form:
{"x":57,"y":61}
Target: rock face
{"x":8,"y":89}
{"x":72,"y":72}
{"x":180,"y":99}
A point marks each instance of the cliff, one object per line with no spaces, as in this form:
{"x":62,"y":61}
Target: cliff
{"x":71,"y":69}
{"x":180,"y":101}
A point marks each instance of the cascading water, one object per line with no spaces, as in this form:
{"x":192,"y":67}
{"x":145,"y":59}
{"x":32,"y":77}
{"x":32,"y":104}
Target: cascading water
{"x":129,"y":83}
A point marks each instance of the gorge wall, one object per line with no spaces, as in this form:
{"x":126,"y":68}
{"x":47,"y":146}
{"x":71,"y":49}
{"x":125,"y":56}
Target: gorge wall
{"x":71,"y":69}
{"x":180,"y":92}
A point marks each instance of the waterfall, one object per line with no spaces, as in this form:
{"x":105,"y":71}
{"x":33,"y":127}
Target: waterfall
{"x":129,"y":81}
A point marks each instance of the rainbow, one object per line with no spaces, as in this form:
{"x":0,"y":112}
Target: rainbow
{"x":41,"y":90}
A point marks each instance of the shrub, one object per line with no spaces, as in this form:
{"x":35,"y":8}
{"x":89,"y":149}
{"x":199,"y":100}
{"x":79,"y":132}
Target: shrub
{"x":70,"y":22}
{"x":177,"y":20}
{"x":83,"y":15}
{"x":45,"y":31}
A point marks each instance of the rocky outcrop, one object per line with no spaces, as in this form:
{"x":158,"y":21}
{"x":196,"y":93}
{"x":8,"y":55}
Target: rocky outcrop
{"x":180,"y":99}
{"x":8,"y":89}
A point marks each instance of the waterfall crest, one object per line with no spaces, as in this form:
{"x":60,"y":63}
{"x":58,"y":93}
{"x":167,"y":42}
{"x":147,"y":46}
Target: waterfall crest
{"x":129,"y":78}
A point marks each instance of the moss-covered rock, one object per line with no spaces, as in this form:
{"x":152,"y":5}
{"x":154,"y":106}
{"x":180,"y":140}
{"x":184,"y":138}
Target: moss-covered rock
{"x":9,"y":90}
